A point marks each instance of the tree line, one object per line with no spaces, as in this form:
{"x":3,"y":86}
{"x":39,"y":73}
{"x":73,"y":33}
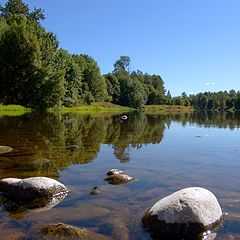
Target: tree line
{"x":222,"y":100}
{"x":35,"y":72}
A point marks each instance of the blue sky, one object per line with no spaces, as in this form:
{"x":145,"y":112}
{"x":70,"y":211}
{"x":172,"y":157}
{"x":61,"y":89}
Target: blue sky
{"x":194,"y":45}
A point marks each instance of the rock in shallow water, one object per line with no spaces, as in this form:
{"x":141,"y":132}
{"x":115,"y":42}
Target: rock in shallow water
{"x":5,"y":149}
{"x":95,"y":190}
{"x":118,"y":176}
{"x":115,"y":171}
{"x":119,"y":179}
{"x":66,"y":231}
{"x":184,"y":214}
{"x":34,"y":192}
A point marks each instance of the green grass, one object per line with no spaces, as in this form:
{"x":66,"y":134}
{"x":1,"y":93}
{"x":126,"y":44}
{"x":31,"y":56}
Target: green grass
{"x":100,"y":107}
{"x":13,"y":110}
{"x":167,"y":108}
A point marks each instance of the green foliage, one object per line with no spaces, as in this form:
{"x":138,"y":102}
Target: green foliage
{"x":30,"y":71}
{"x":35,"y":73}
{"x":73,"y":79}
{"x":93,"y":81}
{"x":18,"y":7}
{"x":221,"y":100}
{"x":122,"y":64}
{"x":132,"y":93}
{"x":113,"y":87}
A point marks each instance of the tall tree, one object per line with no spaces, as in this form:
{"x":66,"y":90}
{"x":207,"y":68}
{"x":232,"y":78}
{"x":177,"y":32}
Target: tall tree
{"x":122,"y":64}
{"x":18,"y":7}
{"x":31,"y":73}
{"x":94,"y":86}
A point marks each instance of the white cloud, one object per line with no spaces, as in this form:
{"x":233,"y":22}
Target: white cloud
{"x":210,"y":83}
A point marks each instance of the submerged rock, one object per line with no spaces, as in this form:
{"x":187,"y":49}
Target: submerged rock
{"x":95,"y":190}
{"x":32,"y":192}
{"x":65,"y":231}
{"x":42,"y":161}
{"x":184,"y":214}
{"x":5,"y":149}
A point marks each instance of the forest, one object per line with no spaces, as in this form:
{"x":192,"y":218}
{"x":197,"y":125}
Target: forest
{"x":36,"y":73}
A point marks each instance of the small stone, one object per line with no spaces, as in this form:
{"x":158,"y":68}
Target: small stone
{"x":95,"y":190}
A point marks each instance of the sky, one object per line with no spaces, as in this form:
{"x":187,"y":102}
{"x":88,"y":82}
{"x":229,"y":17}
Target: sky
{"x":194,"y":45}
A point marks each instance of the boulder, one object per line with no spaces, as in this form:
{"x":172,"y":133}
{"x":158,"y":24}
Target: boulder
{"x":33,"y":192}
{"x":184,"y":214}
{"x":5,"y":149}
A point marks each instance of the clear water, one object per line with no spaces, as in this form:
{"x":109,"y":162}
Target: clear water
{"x":163,"y":152}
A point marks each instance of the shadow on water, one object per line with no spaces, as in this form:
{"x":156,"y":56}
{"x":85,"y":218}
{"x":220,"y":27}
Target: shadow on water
{"x":63,"y":146}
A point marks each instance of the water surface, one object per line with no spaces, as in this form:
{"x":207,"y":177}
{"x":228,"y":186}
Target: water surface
{"x":163,"y":152}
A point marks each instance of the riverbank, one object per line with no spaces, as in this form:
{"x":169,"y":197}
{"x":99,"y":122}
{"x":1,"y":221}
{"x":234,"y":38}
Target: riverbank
{"x":100,"y":107}
{"x":167,"y":109}
{"x":13,"y":110}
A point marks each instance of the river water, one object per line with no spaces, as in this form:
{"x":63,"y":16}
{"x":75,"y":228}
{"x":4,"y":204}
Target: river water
{"x":164,"y":153}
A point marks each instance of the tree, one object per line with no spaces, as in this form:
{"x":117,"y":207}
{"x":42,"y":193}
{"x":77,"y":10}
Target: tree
{"x":113,"y":87}
{"x":94,"y":85}
{"x":31,"y":73}
{"x":73,"y":79}
{"x":132,"y":92}
{"x":122,"y":64}
{"x":18,"y":7}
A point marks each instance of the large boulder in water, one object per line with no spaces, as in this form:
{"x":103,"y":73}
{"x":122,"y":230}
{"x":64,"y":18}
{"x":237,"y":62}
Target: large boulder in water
{"x":32,"y":192}
{"x":185,"y":214}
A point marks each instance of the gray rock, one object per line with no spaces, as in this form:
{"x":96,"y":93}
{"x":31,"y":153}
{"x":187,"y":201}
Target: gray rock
{"x":5,"y":149}
{"x":34,"y":192}
{"x":115,"y":171}
{"x":184,"y":214}
{"x":119,"y":179}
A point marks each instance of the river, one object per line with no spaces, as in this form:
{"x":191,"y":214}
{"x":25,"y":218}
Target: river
{"x":164,"y":153}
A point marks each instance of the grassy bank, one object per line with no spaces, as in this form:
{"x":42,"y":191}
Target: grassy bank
{"x":102,"y":107}
{"x":167,"y":109}
{"x":13,"y":110}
